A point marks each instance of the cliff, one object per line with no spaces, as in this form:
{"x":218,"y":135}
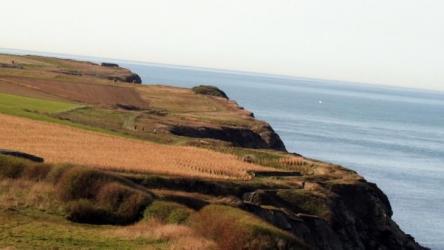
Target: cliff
{"x":272,"y":200}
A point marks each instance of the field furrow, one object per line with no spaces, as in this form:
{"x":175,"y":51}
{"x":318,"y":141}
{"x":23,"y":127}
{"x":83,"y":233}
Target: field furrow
{"x":62,"y":144}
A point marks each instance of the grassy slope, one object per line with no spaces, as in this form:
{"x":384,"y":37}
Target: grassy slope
{"x":32,"y":217}
{"x":33,"y":108}
{"x":35,"y":199}
{"x":168,"y":105}
{"x":46,"y":110}
{"x":38,"y":231}
{"x":114,"y":122}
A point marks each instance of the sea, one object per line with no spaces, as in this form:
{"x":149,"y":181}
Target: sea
{"x":392,"y":136}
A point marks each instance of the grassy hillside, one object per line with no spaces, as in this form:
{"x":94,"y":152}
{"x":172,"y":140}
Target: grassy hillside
{"x":38,"y":201}
{"x":157,"y":113}
{"x":60,"y":144}
{"x":32,"y":107}
{"x":158,"y":167}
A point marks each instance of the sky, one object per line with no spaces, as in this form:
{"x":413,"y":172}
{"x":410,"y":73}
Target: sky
{"x":395,"y":42}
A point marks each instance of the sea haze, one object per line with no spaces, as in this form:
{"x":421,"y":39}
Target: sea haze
{"x":393,"y":137}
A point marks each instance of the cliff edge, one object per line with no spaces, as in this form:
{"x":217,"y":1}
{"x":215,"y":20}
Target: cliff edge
{"x":267,"y":199}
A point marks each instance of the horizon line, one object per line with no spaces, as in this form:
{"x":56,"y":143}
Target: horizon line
{"x":220,"y":70}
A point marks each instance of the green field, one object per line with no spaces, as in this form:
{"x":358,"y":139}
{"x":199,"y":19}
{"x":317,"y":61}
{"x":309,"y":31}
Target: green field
{"x":38,"y":231}
{"x":33,"y":108}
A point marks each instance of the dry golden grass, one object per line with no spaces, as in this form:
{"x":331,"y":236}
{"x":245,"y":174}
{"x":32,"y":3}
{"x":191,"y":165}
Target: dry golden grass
{"x":185,"y":103}
{"x":21,"y":60}
{"x":180,"y":237}
{"x":16,"y":194}
{"x":292,"y":161}
{"x":60,"y":144}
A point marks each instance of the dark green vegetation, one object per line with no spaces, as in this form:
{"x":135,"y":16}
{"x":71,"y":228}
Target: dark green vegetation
{"x":168,"y":212}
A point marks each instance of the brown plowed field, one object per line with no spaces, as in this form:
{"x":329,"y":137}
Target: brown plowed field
{"x":98,"y":94}
{"x":60,"y":144}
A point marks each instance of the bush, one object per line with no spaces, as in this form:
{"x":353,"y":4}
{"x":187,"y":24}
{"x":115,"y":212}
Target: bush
{"x":12,"y":167}
{"x":232,"y":228}
{"x":80,"y":183}
{"x":168,"y":212}
{"x":36,"y":172}
{"x":92,"y":196}
{"x":127,"y":204}
{"x":209,"y":90}
{"x":224,"y":230}
{"x":108,"y":195}
{"x":84,"y":211}
{"x":56,"y":172}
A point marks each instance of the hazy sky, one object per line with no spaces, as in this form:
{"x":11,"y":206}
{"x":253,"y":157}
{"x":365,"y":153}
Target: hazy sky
{"x":398,"y":42}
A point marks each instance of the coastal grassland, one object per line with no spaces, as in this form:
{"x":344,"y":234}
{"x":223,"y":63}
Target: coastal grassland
{"x":141,"y":125}
{"x":34,"y":108}
{"x":61,"y":144}
{"x":37,"y":231}
{"x":184,"y":104}
{"x":36,"y":199}
{"x":32,"y":217}
{"x":7,"y":59}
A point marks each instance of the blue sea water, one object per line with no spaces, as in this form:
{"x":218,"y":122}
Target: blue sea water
{"x":393,"y":137}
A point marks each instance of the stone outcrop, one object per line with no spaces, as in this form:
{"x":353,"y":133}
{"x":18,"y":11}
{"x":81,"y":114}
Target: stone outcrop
{"x":260,"y":137}
{"x":355,"y":215}
{"x":111,"y":65}
{"x":359,"y":218}
{"x":129,"y":78}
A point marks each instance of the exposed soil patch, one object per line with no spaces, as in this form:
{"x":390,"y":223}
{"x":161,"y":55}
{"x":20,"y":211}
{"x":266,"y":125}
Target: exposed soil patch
{"x":97,"y":94}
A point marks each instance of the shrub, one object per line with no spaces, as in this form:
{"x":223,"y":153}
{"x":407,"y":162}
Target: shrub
{"x":232,"y":228}
{"x":37,"y":172}
{"x":80,"y":183}
{"x":92,"y":196}
{"x":168,"y":212}
{"x":109,"y":197}
{"x":11,"y":167}
{"x":209,"y":90}
{"x":127,"y":204}
{"x":224,"y":230}
{"x":56,"y":172}
{"x":85,"y":211}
